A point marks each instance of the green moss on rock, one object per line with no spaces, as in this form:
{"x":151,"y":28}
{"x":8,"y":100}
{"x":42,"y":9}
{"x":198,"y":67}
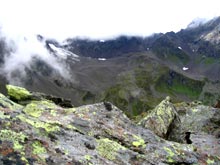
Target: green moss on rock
{"x":18,"y":93}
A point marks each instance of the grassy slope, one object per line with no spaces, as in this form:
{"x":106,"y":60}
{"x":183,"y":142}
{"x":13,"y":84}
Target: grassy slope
{"x":176,"y":84}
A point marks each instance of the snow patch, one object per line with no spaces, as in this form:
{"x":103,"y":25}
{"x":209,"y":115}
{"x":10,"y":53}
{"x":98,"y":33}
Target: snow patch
{"x":179,"y":48}
{"x":62,"y":53}
{"x":185,"y":68}
{"x":102,"y":59}
{"x":101,"y":40}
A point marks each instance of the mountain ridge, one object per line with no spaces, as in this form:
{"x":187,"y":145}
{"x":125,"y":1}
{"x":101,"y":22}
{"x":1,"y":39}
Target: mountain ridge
{"x":130,"y":70}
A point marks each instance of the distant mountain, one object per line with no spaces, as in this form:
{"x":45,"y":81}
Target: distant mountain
{"x":134,"y":73}
{"x":106,"y":49}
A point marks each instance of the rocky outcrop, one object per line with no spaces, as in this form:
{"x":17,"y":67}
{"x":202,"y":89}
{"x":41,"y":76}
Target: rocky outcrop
{"x":41,"y":132}
{"x":161,"y":118}
{"x":23,"y":96}
{"x":188,"y":123}
{"x":200,"y":127}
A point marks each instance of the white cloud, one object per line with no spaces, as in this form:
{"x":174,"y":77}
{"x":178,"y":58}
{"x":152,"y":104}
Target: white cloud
{"x":25,"y":50}
{"x":101,"y":18}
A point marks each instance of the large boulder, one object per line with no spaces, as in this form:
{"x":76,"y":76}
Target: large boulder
{"x":161,"y":118}
{"x":18,"y":93}
{"x":200,"y":126}
{"x":41,"y":132}
{"x":23,"y":96}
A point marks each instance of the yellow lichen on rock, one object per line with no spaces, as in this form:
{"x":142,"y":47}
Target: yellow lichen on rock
{"x":108,"y":148}
{"x":47,"y":126}
{"x":160,"y":118}
{"x":16,"y":138}
{"x":6,"y":103}
{"x":17,"y":93}
{"x":38,"y":148}
{"x":139,"y":142}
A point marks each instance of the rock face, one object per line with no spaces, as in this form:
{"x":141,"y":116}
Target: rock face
{"x":200,"y":127}
{"x":161,"y":118}
{"x":41,"y":132}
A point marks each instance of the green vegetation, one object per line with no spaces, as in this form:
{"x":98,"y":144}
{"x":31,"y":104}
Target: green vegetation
{"x":165,"y":49}
{"x":123,"y":99}
{"x":202,"y":59}
{"x":132,"y":93}
{"x":143,"y":79}
{"x":208,"y":98}
{"x":210,"y":60}
{"x":114,"y":95}
{"x":174,"y":84}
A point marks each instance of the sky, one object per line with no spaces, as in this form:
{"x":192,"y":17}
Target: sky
{"x":100,"y":19}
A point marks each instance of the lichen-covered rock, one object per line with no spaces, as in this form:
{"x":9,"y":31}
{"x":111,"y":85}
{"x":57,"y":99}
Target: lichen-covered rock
{"x":200,"y":127}
{"x":42,"y":132}
{"x":23,"y":96}
{"x":17,"y":93}
{"x":161,"y":118}
{"x":8,"y":104}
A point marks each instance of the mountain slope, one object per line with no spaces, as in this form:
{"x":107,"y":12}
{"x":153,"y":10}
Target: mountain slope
{"x":132,"y":72}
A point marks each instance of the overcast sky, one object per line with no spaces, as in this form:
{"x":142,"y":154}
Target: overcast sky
{"x":61,"y":19}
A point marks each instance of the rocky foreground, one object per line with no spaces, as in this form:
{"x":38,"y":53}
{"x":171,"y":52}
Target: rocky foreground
{"x":40,"y":129}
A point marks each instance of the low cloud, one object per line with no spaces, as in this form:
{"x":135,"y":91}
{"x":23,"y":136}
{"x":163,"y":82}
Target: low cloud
{"x":21,"y":55}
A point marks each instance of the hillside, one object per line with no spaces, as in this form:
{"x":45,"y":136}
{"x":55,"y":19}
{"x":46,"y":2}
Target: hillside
{"x":134,"y":73}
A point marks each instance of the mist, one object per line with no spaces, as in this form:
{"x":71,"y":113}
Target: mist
{"x":197,"y":22}
{"x":21,"y":55}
